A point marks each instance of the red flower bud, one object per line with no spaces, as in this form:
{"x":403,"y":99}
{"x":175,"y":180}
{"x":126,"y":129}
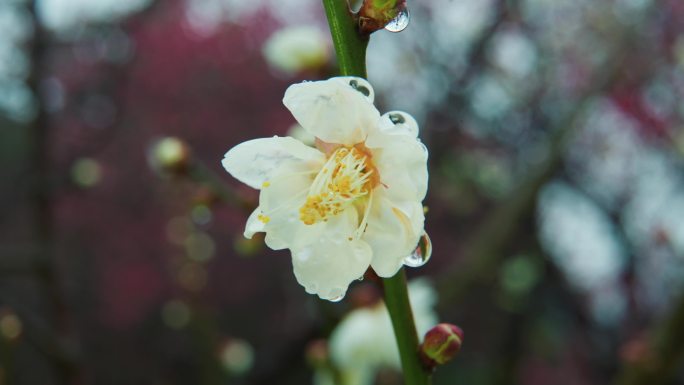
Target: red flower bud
{"x":441,"y":344}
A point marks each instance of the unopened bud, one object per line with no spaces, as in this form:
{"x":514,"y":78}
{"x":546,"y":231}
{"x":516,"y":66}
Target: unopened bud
{"x":441,"y":344}
{"x":169,"y":155}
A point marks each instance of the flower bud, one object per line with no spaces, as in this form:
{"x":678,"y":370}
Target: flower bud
{"x":169,"y":155}
{"x":295,"y":49}
{"x":441,"y":344}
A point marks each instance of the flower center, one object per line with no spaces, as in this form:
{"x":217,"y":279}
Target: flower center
{"x":346,"y":176}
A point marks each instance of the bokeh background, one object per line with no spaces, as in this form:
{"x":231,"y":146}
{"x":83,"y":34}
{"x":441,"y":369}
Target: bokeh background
{"x":555,"y":207}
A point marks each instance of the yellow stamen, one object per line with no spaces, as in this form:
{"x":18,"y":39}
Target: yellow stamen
{"x":347,"y":176}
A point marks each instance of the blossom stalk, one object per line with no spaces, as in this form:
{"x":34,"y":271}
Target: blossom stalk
{"x":350,"y":47}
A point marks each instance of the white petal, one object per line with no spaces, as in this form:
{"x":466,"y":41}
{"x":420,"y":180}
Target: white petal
{"x":332,"y":110}
{"x":360,"y":85}
{"x":254,"y":225}
{"x":256,"y":161}
{"x":402,"y":164}
{"x":423,"y":298}
{"x":392,"y":233}
{"x":399,"y":123}
{"x":362,"y":343}
{"x":280,"y":203}
{"x":331,"y":262}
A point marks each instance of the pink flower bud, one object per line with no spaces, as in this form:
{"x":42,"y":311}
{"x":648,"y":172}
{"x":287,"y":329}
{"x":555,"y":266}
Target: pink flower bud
{"x":441,"y":344}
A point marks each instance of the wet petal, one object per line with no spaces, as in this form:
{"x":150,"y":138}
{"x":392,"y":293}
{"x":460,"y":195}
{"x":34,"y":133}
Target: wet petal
{"x":399,"y":123}
{"x":402,"y":164}
{"x":254,"y":225}
{"x":280,"y":203}
{"x":256,"y":161}
{"x":333,"y":110}
{"x":392,"y":233}
{"x":360,"y":85}
{"x":330,"y":263}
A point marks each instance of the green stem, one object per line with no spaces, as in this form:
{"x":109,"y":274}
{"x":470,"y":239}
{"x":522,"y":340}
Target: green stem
{"x":350,"y":46}
{"x":397,"y":302}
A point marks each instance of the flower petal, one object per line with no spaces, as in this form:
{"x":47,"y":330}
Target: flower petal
{"x":402,"y":164}
{"x":399,"y":123}
{"x":333,"y":110}
{"x":256,"y":161}
{"x":254,"y":225}
{"x":280,"y":203}
{"x":361,"y":85}
{"x":392,"y":233}
{"x":330,"y":263}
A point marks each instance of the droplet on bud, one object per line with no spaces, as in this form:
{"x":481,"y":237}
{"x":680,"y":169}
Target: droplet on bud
{"x":400,"y":22}
{"x":422,"y":253}
{"x":441,"y":344}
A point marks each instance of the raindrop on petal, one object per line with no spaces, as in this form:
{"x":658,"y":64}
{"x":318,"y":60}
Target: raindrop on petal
{"x":359,"y":87}
{"x":337,"y":299}
{"x":400,"y":22}
{"x":421,"y":255}
{"x":397,"y":118}
{"x":336,"y":295}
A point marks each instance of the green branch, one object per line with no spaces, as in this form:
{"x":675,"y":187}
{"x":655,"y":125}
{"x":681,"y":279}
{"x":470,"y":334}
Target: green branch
{"x":399,"y":308}
{"x":350,"y":47}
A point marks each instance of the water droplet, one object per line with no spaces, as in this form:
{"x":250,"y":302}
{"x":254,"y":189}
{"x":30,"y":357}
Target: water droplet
{"x":361,"y":88}
{"x":397,"y":118}
{"x":400,"y":22}
{"x":421,"y":255}
{"x":336,"y":294}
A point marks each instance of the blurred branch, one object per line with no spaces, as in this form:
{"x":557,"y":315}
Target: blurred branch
{"x":663,"y":358}
{"x":476,"y":60}
{"x":481,"y":255}
{"x":200,"y":173}
{"x":41,"y":204}
{"x":21,"y":259}
{"x":39,"y":333}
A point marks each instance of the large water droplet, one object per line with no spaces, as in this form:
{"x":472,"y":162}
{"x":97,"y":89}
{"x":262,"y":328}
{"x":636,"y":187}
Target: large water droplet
{"x":400,"y":22}
{"x":397,"y":118}
{"x":359,"y":87}
{"x":421,"y":254}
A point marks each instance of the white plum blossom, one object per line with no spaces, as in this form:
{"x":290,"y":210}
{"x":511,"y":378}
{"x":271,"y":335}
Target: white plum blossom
{"x":352,"y":202}
{"x":294,"y":49}
{"x":363,"y":342}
